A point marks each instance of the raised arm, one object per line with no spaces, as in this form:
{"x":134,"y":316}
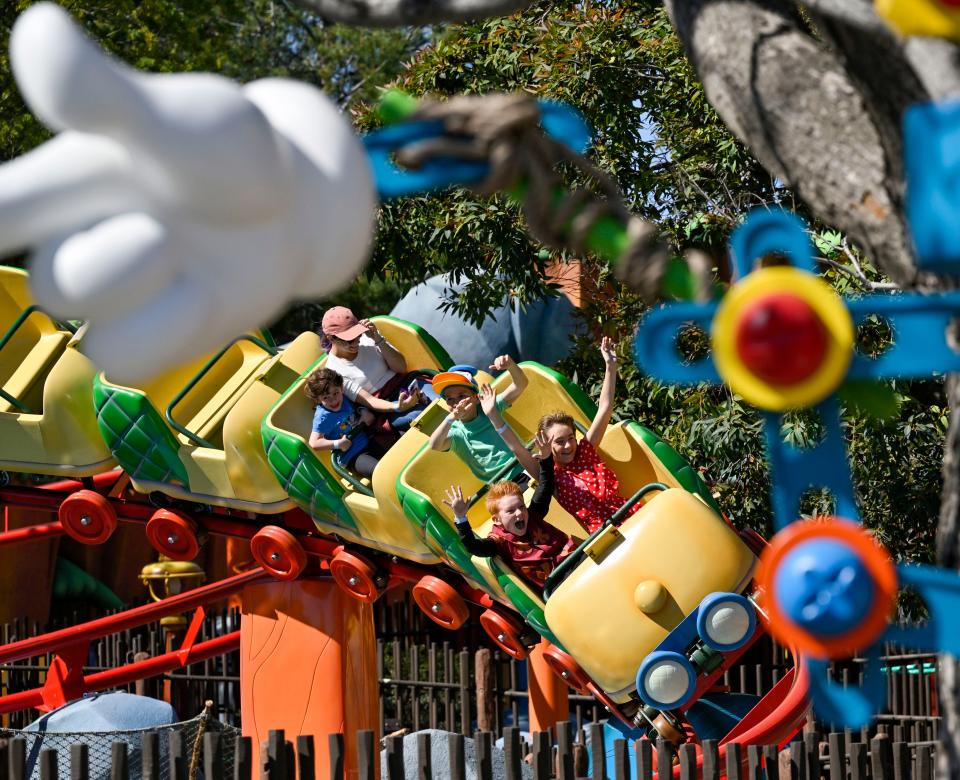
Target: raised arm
{"x":518,"y":382}
{"x":391,"y":355}
{"x":607,"y":392}
{"x":540,"y":503}
{"x":488,"y":402}
{"x":380,"y":405}
{"x":483,"y":548}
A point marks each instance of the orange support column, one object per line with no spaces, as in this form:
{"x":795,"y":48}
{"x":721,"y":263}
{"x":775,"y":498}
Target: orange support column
{"x":307,"y":666}
{"x":547,"y":693}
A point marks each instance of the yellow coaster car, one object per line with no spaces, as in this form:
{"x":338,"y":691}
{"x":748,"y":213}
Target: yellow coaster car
{"x":194,"y":433}
{"x":638,"y":458}
{"x":341,"y":504}
{"x":47,"y":423}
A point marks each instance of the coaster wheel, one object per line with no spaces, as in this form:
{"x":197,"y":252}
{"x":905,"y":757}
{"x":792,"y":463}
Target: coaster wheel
{"x":440,"y":602}
{"x":87,"y":517}
{"x":505,"y":632}
{"x":278,"y":552}
{"x":565,"y":667}
{"x":173,"y":535}
{"x":355,"y":575}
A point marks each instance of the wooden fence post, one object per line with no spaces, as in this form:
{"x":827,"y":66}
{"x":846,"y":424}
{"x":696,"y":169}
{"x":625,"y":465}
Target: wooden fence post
{"x":335,"y":742}
{"x":483,"y":745}
{"x":644,"y":759}
{"x":79,"y":762}
{"x":424,"y":758}
{"x":564,"y":769}
{"x":598,"y":768}
{"x":17,"y":749}
{"x":243,"y":759}
{"x":119,"y":761}
{"x":512,"y":755}
{"x":881,"y":758}
{"x":486,"y":702}
{"x":542,"y":753}
{"x":48,"y":764}
{"x":688,"y":761}
{"x":621,"y":768}
{"x":711,"y":760}
{"x":212,"y":756}
{"x":458,"y":765}
{"x":465,"y":710}
{"x":306,"y":757}
{"x":734,"y":761}
{"x":366,"y":755}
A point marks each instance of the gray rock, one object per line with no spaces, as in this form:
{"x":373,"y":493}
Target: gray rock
{"x":440,"y":757}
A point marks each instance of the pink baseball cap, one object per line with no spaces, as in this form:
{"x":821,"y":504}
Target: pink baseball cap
{"x":339,"y":321}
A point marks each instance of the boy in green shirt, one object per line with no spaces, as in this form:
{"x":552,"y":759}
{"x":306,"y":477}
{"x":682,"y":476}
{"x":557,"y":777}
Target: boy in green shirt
{"x":467,"y":430}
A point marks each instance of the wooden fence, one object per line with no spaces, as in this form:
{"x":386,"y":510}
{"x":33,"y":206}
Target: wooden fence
{"x":456,"y":681}
{"x":811,"y":758}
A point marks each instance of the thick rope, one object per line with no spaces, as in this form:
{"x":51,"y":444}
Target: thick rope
{"x":504,"y":130}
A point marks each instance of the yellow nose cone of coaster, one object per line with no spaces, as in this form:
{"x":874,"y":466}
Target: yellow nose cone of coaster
{"x":650,"y":596}
{"x":922,"y":17}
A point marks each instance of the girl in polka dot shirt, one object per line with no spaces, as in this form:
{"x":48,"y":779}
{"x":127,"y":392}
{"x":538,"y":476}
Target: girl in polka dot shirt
{"x":585,"y":486}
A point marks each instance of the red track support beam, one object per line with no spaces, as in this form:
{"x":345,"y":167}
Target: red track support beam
{"x":55,"y":640}
{"x":124,"y":675}
{"x":31,"y":533}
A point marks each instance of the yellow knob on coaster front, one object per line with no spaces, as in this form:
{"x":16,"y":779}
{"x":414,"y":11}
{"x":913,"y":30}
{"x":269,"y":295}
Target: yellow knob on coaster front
{"x":650,"y":596}
{"x":782,"y":338}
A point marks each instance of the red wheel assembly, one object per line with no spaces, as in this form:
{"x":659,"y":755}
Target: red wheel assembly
{"x":440,"y":602}
{"x":505,"y":632}
{"x":565,"y":667}
{"x":173,"y":535}
{"x":278,"y":552}
{"x":87,"y":517}
{"x":355,"y":575}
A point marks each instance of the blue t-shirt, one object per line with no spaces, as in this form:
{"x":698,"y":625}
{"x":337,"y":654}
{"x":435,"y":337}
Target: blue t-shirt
{"x":334,"y":425}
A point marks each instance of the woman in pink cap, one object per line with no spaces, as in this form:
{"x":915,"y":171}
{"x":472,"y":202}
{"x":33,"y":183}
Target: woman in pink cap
{"x":373,"y":370}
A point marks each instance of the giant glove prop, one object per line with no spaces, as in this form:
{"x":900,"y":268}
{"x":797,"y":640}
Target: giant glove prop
{"x":174,"y":212}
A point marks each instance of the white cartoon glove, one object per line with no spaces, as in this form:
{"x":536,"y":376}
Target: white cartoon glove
{"x":175,"y":212}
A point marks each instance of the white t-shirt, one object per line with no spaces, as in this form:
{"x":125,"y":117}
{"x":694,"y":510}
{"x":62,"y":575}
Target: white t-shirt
{"x":367,"y":371}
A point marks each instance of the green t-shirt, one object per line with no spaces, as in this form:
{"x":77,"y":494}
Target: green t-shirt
{"x":478,"y":444}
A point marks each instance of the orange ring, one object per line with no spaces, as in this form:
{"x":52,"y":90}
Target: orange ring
{"x":173,"y":535}
{"x":505,"y":633}
{"x":565,"y":667}
{"x":873,"y":556}
{"x":440,"y":602}
{"x":355,"y":575}
{"x":278,"y":552}
{"x":87,"y":517}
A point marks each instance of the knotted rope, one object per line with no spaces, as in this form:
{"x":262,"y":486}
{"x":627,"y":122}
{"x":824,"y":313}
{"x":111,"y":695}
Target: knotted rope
{"x":504,"y":131}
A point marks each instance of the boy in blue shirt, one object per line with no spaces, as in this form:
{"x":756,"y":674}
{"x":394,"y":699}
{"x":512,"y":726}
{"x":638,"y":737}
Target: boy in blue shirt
{"x":335,"y":417}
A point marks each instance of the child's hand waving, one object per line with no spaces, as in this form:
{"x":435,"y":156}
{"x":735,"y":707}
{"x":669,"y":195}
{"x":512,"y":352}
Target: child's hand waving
{"x":488,"y":399}
{"x":608,"y":349}
{"x":542,"y":440}
{"x":456,"y":501}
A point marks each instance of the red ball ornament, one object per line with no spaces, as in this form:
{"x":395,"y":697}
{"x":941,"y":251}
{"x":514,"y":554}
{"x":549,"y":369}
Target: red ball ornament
{"x":781,"y":339}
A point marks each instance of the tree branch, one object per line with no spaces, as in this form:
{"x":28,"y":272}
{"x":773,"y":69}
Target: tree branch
{"x":396,"y":13}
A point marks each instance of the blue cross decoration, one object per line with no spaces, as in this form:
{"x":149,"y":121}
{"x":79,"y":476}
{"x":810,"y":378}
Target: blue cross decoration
{"x":783,"y":339}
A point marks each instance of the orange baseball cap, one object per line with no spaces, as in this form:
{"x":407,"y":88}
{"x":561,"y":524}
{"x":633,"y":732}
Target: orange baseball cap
{"x":457,"y":376}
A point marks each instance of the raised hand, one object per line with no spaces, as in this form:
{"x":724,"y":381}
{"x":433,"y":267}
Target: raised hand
{"x":542,"y":440}
{"x":501,"y":363}
{"x":175,"y":212}
{"x":608,"y":349}
{"x":456,"y":501}
{"x":488,"y":400}
{"x":406,"y":401}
